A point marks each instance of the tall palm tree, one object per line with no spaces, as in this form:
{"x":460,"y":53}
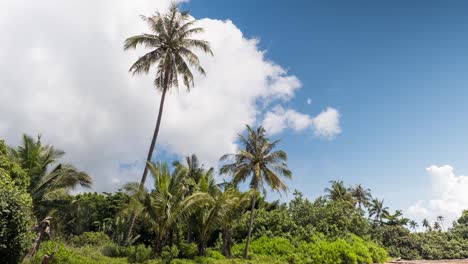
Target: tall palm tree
{"x":361,"y":195}
{"x":413,"y":225}
{"x":338,"y":192}
{"x":50,"y":181}
{"x":261,"y":163}
{"x":378,"y":210}
{"x":440,"y":219}
{"x":426,"y":224}
{"x":172,"y":52}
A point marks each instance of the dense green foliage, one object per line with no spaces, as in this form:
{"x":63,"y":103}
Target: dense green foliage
{"x":16,"y":220}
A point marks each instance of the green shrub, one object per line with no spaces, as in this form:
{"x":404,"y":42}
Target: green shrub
{"x":188,"y":251}
{"x":138,"y":253}
{"x":113,"y":250}
{"x":90,"y":239}
{"x":135,"y":254}
{"x":16,"y":220}
{"x":169,"y":253}
{"x":69,"y":255}
{"x":275,"y":246}
{"x":214,"y":254}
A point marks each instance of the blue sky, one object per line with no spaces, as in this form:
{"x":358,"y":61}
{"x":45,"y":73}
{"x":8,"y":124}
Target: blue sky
{"x":396,"y":71}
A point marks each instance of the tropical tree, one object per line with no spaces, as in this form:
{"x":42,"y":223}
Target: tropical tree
{"x":426,"y":224}
{"x":50,"y":181}
{"x":338,"y":192}
{"x":378,"y":210}
{"x":361,"y":195}
{"x":216,"y":211}
{"x":172,"y":52}
{"x":437,"y":226}
{"x":164,"y":206}
{"x":261,"y":163}
{"x":397,"y":219}
{"x":413,"y":224}
{"x":440,"y":220}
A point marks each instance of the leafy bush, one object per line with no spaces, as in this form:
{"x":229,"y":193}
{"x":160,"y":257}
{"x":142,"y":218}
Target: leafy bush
{"x":135,"y":253}
{"x":90,"y":239}
{"x":276,"y":246}
{"x":169,"y":253}
{"x":214,"y":254}
{"x":353,"y":250}
{"x":138,"y":253}
{"x":16,"y":220}
{"x":188,"y":250}
{"x":71,"y":255}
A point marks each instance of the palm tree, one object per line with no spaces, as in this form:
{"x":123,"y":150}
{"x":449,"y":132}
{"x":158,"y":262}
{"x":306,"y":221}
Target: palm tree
{"x":261,"y":163}
{"x":425,"y":224}
{"x":413,"y":224}
{"x":50,"y":181}
{"x":164,"y":206}
{"x":440,"y":219}
{"x":216,"y":211}
{"x":361,"y":195}
{"x":397,"y":219}
{"x":437,"y":226}
{"x":338,"y":192}
{"x":172,"y":54}
{"x":378,"y":210}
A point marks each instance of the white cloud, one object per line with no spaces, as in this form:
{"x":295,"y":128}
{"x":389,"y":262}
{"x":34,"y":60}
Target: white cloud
{"x":309,"y":101}
{"x":449,"y":196}
{"x":64,"y":75}
{"x":326,"y":124}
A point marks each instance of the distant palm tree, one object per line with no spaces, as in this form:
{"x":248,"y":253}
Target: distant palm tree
{"x":397,"y":219}
{"x":172,"y":53}
{"x":440,"y":219}
{"x":338,"y":192}
{"x":426,"y":224}
{"x":437,"y":226}
{"x":413,"y":224}
{"x":50,"y":181}
{"x":261,"y":163}
{"x":361,"y":195}
{"x":378,"y":210}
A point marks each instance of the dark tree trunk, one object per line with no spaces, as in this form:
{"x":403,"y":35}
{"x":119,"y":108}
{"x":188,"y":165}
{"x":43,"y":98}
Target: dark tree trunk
{"x":227,"y":243}
{"x":249,"y":232}
{"x":150,"y":152}
{"x":202,"y":246}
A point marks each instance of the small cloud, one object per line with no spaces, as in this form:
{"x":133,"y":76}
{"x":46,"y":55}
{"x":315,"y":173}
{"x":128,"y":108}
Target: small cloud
{"x":309,"y":101}
{"x":325,"y":124}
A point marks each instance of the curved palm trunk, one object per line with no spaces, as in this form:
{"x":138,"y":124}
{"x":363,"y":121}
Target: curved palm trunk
{"x":249,"y":232}
{"x":148,"y":159}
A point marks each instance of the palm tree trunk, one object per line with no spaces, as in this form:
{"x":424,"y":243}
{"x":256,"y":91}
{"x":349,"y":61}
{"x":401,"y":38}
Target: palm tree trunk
{"x":227,"y":243}
{"x":249,"y":232}
{"x":202,"y":245}
{"x":150,"y":152}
